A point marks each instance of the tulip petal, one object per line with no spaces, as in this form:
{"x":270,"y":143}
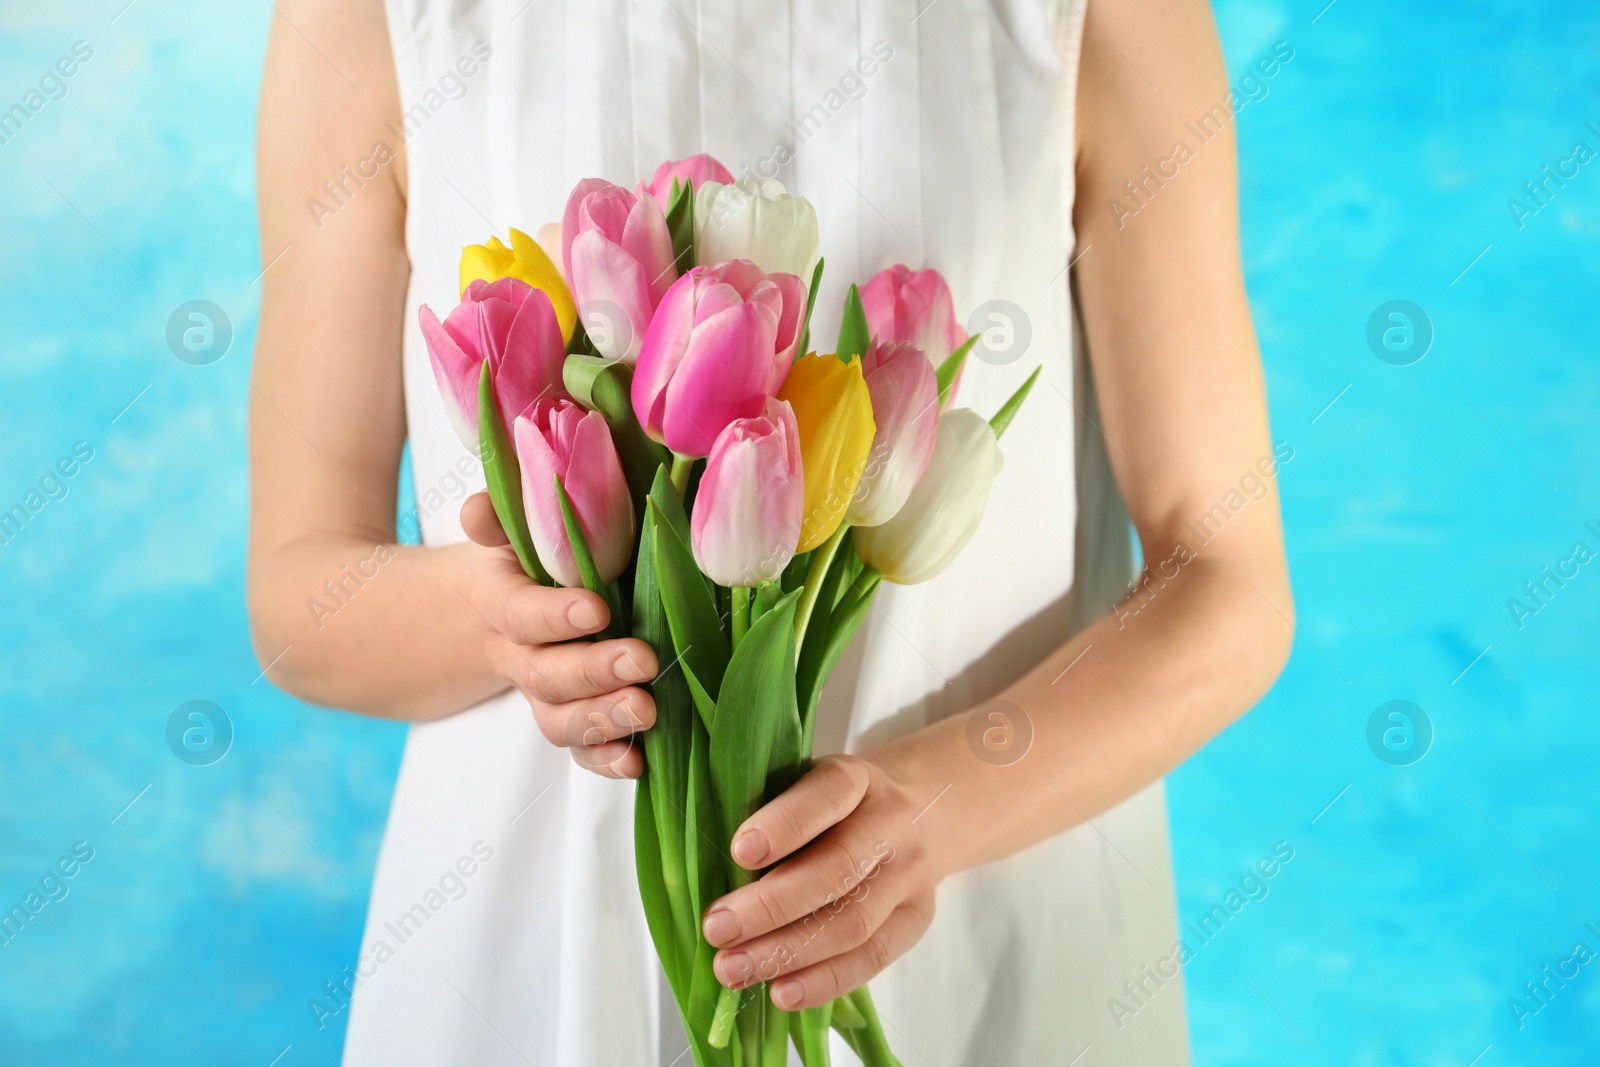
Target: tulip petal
{"x":539,"y":499}
{"x":834,"y":411}
{"x":569,"y":218}
{"x":613,"y":293}
{"x":662,"y":350}
{"x":530,"y":365}
{"x":535,"y":267}
{"x":558,"y":438}
{"x":905,"y":408}
{"x":718,"y":380}
{"x":456,"y":373}
{"x":747,"y":512}
{"x":943,"y":510}
{"x":795,"y":297}
{"x":600,"y":496}
{"x":756,"y":219}
{"x":698,"y":169}
{"x":646,"y":238}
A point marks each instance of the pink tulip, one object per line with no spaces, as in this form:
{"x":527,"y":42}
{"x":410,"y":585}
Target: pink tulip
{"x":697,"y":169}
{"x":513,"y":326}
{"x":747,"y":511}
{"x":618,"y":257}
{"x":719,"y":346}
{"x":561,"y":438}
{"x":915,"y":306}
{"x":905,"y":409}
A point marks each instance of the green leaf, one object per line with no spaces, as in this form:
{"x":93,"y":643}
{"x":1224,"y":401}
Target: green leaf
{"x":854,"y":336}
{"x":950,"y":369}
{"x":775,"y":1033}
{"x":692,"y":616}
{"x":795,"y":573}
{"x":579,"y":373}
{"x":809,"y":673}
{"x":767,"y":596}
{"x":842,"y":627}
{"x":667,"y":754}
{"x":1009,"y":409}
{"x":703,"y":857}
{"x":605,"y":385}
{"x":581,"y":555}
{"x":579,"y":341}
{"x":756,"y":710}
{"x":504,"y":477}
{"x":708,"y":881}
{"x":680,"y":224}
{"x":811,"y":302}
{"x":653,"y":889}
{"x":580,"y":544}
{"x":670,"y":505}
{"x":704,"y":702}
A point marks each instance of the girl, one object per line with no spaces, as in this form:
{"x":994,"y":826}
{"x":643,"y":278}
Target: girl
{"x":1011,"y":903}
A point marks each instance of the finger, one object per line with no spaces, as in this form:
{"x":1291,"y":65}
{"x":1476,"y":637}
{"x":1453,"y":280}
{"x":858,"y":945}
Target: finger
{"x":528,"y":613}
{"x":822,"y":982}
{"x":824,"y":872}
{"x":596,"y":720}
{"x":829,"y":931}
{"x":557,"y":674}
{"x":481,"y":524}
{"x":824,"y":796}
{"x":614,"y":759}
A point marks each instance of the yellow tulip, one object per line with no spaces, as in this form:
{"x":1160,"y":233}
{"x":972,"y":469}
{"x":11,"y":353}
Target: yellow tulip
{"x":834,"y":412}
{"x":526,"y":261}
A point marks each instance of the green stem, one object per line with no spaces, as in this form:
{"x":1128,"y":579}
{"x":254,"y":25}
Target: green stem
{"x":723,"y":1017}
{"x":821,"y":560}
{"x":809,"y":1029}
{"x":681,"y":466}
{"x":775,"y":1033}
{"x":845,"y":1016}
{"x":741,"y":614}
{"x":874,"y":1049}
{"x":752,"y":1041}
{"x":727,"y":1009}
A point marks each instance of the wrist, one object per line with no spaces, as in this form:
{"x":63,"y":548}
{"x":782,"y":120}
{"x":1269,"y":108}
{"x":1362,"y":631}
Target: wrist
{"x":930,"y":777}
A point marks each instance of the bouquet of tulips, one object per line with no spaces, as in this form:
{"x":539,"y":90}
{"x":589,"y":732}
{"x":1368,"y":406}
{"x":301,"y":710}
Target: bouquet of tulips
{"x":654,"y":427}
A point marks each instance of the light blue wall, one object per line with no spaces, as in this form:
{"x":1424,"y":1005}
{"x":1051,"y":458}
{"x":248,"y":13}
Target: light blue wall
{"x":1416,"y":506}
{"x":1381,"y":158}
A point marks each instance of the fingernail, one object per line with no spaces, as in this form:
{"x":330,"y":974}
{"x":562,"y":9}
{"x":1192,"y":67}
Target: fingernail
{"x":722,"y":926}
{"x":582,"y":615}
{"x":622,"y":716}
{"x":628,"y":669}
{"x":750,"y":848}
{"x":787,"y":993}
{"x":734,"y":970}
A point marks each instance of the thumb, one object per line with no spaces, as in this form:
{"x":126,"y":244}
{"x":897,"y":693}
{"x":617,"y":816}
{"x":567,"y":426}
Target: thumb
{"x":481,"y":524}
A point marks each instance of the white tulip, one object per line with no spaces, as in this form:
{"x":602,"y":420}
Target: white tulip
{"x":756,"y":219}
{"x":944,"y":509}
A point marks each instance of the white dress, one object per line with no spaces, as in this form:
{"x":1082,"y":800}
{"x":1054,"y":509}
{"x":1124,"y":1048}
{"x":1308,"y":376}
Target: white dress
{"x":504,"y":926}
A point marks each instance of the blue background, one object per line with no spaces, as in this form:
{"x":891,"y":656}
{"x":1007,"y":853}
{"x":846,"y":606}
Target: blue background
{"x":1379,"y":164}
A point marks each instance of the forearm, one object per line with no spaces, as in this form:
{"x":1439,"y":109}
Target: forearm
{"x":1112,"y":710}
{"x":372,"y":626}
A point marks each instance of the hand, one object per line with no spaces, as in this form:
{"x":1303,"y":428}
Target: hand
{"x":584,"y":694}
{"x":858,"y":892}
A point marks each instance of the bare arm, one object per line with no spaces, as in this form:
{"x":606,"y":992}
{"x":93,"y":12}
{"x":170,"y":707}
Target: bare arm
{"x":434,"y":630}
{"x":1175,"y":358}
